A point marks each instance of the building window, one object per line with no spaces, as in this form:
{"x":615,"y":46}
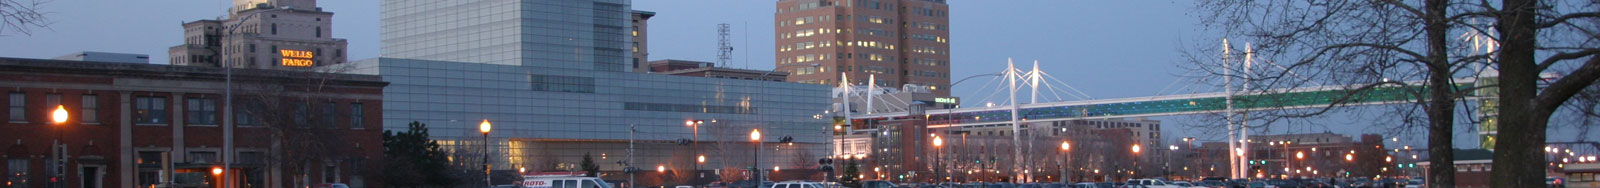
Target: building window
{"x":243,"y":113}
{"x":300,"y":113}
{"x":274,"y":28}
{"x":203,"y":157}
{"x":201,"y":111}
{"x":330,"y":173}
{"x":357,"y":116}
{"x":149,"y":165}
{"x":17,"y":172}
{"x":51,"y":101}
{"x":91,"y":109}
{"x":251,"y":157}
{"x":329,"y":111}
{"x":319,"y":31}
{"x":16,"y":109}
{"x":150,"y":110}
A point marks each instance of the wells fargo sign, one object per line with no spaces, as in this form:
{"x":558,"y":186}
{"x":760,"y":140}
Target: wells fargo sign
{"x":296,"y":58}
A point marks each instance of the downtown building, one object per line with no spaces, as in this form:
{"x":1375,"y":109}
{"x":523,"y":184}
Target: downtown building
{"x":557,"y":80}
{"x":143,"y":125}
{"x":1297,"y":155}
{"x":896,"y":42}
{"x":262,"y":34}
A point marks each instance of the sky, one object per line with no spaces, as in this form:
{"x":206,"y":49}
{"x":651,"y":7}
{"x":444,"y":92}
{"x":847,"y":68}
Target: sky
{"x":1106,"y":49}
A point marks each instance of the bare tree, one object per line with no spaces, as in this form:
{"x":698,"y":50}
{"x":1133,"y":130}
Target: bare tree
{"x":1368,"y":47}
{"x":295,"y":114}
{"x":22,"y":15}
{"x":1525,"y":109}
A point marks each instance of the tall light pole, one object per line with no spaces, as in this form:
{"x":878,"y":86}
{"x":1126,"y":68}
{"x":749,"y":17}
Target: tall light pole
{"x":694,"y":147}
{"x":755,"y":165}
{"x":937,"y":165}
{"x":58,"y":147}
{"x":1136,"y":168}
{"x":484,"y":127}
{"x":1066,"y":148}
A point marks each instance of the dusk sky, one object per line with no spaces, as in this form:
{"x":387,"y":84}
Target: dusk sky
{"x":1107,"y":49}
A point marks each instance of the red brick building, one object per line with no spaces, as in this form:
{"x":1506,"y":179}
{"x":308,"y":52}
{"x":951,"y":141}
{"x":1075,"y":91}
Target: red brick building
{"x":138,"y":125}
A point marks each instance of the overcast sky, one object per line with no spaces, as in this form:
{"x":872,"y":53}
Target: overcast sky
{"x":1107,"y":49}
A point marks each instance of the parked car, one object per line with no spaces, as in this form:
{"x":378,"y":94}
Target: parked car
{"x":1185,"y":184}
{"x":1152,"y":183}
{"x":1415,"y":183}
{"x":795,"y":184}
{"x":1261,"y":184}
{"x":332,"y":185}
{"x":1555,"y":182}
{"x":876,"y":184}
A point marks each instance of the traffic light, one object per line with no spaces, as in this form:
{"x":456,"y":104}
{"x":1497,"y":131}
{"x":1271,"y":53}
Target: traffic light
{"x":1252,"y":162}
{"x":786,"y":139}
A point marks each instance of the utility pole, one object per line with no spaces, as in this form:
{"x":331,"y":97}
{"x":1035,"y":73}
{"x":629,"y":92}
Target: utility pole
{"x":631,"y":129}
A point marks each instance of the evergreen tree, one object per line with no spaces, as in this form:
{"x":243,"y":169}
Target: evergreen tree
{"x":593,"y":170}
{"x":852,"y":174}
{"x":411,"y":159}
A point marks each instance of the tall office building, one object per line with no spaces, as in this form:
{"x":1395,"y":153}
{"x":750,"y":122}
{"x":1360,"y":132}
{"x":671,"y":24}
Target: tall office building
{"x":263,"y":34}
{"x":582,"y":35}
{"x":900,"y":41}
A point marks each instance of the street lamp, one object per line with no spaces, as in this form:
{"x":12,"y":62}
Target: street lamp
{"x":1066,"y":147}
{"x":755,"y":171}
{"x":484,"y":128}
{"x":937,"y":166}
{"x":60,"y":119}
{"x":694,"y":146}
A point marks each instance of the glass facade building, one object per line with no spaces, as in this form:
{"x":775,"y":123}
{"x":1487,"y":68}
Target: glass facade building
{"x":567,"y":34}
{"x":544,"y":116}
{"x":551,"y":77}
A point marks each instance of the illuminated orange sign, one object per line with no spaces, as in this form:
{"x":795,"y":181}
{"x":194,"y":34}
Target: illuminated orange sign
{"x":297,"y":58}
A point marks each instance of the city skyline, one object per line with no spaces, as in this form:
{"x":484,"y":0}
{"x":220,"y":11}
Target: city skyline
{"x":1088,"y":57}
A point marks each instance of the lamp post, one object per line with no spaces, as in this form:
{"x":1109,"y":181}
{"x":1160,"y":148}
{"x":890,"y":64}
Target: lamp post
{"x":484,"y":128}
{"x":59,"y":117}
{"x":937,"y":166}
{"x":755,"y":165}
{"x":1136,"y":167}
{"x":694,"y":147}
{"x":1066,"y":147}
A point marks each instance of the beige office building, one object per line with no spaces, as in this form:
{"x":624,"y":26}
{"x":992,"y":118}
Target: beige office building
{"x":900,"y":41}
{"x":263,"y":34}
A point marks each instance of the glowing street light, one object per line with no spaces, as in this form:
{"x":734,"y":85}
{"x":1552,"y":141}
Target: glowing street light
{"x":216,"y":170}
{"x":1300,"y":155}
{"x":701,"y":159}
{"x":660,"y":168}
{"x":1136,"y":148}
{"x":484,"y":128}
{"x":60,"y":115}
{"x":755,"y":135}
{"x":1066,"y":145}
{"x":1349,"y":157}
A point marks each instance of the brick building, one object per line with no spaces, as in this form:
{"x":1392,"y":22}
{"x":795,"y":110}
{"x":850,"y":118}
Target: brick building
{"x":141,"y":125}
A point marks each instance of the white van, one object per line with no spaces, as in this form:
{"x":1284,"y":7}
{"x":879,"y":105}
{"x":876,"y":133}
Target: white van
{"x":562,"y":180}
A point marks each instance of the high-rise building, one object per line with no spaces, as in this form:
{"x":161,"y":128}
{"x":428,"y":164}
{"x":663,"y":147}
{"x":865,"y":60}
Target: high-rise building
{"x":641,"y":40}
{"x":263,"y":34}
{"x":581,"y":35}
{"x":900,"y":41}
